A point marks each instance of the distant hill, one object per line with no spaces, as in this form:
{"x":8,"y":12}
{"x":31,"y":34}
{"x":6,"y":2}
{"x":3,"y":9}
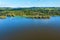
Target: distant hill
{"x":30,"y":8}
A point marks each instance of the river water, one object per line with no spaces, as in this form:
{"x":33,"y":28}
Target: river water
{"x":17,"y":28}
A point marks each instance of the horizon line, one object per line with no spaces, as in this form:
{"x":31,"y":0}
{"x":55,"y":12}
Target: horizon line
{"x":15,"y":7}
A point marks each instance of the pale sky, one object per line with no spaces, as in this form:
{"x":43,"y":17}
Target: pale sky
{"x":29,"y":3}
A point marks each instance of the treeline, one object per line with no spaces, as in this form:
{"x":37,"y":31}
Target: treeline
{"x":41,"y":11}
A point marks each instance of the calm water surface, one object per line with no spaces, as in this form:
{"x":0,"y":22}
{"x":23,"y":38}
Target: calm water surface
{"x":17,"y":28}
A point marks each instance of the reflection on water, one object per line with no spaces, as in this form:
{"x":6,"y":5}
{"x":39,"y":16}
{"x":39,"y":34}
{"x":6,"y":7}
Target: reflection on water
{"x":17,"y":28}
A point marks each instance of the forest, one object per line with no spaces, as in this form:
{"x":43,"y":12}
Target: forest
{"x":32,"y":12}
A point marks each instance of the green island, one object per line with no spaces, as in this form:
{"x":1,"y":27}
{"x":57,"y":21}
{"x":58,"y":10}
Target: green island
{"x":32,"y":12}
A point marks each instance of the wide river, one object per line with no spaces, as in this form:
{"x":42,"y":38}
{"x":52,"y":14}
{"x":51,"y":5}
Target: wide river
{"x":17,"y":28}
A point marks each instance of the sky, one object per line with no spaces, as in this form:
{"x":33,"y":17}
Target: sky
{"x":29,"y":3}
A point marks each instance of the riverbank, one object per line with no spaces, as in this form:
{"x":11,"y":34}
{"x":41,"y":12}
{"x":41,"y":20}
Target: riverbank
{"x":2,"y":17}
{"x":37,"y":16}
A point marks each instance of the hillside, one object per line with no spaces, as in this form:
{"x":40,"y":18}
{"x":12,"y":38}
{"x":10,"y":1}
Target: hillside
{"x":32,"y":11}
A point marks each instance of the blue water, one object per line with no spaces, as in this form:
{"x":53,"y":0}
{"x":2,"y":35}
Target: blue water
{"x":17,"y":28}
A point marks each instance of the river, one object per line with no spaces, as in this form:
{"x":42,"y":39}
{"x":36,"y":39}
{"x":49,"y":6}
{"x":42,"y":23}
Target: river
{"x":17,"y":28}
